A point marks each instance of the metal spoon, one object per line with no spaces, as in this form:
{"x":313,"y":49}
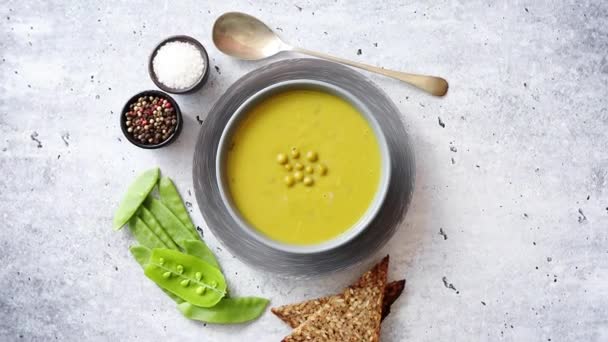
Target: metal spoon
{"x":243,"y":36}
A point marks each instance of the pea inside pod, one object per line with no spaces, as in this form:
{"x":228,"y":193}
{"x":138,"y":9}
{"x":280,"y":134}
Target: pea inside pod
{"x":135,"y":196}
{"x":227,"y":311}
{"x":169,"y":269}
{"x":171,"y":198}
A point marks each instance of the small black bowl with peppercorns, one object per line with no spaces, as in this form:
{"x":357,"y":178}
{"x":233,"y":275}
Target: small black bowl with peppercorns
{"x":151,"y":119}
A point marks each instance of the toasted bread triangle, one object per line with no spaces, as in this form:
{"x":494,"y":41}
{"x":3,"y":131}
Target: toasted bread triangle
{"x":392,"y":291}
{"x":296,"y":314}
{"x":354,"y":315}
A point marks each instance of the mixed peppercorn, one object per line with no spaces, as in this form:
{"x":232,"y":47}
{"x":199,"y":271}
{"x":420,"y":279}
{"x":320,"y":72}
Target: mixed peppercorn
{"x":151,"y":120}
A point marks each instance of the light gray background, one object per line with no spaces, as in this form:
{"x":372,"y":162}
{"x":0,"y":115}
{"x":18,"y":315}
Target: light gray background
{"x":517,"y":179}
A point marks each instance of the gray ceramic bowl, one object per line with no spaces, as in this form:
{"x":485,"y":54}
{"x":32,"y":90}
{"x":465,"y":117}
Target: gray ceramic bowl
{"x":385,"y":173}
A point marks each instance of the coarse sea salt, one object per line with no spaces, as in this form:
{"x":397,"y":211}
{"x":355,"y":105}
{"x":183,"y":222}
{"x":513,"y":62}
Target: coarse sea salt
{"x":178,"y":65}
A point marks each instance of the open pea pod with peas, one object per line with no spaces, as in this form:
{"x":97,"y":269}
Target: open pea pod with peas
{"x":226,"y":311}
{"x":143,"y":254}
{"x":186,"y":276}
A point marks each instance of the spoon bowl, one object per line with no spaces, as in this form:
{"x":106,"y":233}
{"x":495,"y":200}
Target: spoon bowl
{"x":243,"y":36}
{"x":246,"y":37}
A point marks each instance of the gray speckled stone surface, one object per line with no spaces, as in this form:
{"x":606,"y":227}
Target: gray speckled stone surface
{"x":517,"y":180}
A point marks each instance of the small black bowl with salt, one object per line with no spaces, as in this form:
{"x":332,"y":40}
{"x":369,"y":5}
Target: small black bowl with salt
{"x":179,"y":65}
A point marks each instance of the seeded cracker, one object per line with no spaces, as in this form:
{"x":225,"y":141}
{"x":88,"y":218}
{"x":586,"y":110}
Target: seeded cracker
{"x":352,"y":316}
{"x":296,"y":314}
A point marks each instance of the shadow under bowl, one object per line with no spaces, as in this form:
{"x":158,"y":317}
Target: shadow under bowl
{"x":239,"y":241}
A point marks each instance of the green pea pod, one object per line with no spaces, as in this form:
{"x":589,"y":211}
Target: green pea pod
{"x":143,"y":234}
{"x":156,"y":228}
{"x":170,"y":223}
{"x":171,"y":198}
{"x":136,"y":194}
{"x":186,"y":276}
{"x":142,"y":256}
{"x":200,"y":249}
{"x":227,"y":311}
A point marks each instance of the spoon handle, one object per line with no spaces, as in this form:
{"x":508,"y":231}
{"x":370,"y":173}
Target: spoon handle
{"x":434,"y":85}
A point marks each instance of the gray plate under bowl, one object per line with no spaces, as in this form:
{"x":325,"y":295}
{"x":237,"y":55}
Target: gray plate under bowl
{"x":373,"y":208}
{"x":263,"y":256}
